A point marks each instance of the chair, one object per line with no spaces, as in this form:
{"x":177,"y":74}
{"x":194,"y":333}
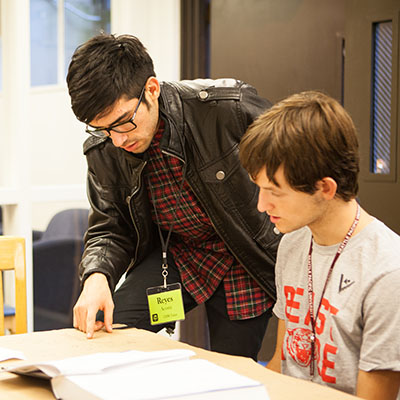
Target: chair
{"x":1,"y":221}
{"x":56,"y":257}
{"x":12,"y":257}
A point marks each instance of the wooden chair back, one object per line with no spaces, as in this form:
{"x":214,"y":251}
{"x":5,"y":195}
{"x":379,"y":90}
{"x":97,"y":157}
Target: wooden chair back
{"x":12,"y":257}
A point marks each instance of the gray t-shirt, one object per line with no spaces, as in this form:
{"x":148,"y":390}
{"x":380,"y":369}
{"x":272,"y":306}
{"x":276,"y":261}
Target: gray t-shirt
{"x":359,"y":320}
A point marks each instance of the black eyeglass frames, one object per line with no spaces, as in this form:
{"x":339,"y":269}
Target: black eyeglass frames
{"x":122,"y":127}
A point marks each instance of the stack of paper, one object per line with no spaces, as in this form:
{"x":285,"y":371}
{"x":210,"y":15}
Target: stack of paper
{"x":134,"y":375}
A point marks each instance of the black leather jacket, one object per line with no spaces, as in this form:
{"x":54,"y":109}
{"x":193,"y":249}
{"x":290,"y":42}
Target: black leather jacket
{"x":204,"y":122}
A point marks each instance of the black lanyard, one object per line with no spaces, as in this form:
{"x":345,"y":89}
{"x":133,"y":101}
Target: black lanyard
{"x":310,"y":284}
{"x":165,"y":243}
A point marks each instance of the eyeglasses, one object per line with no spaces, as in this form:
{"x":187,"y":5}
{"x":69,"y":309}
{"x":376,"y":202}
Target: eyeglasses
{"x":122,"y":127}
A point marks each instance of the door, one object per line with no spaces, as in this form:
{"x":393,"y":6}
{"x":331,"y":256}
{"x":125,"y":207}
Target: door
{"x":371,"y":91}
{"x":279,"y":46}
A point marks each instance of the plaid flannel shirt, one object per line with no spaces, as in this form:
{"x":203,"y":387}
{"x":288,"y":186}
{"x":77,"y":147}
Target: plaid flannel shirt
{"x":200,"y":254}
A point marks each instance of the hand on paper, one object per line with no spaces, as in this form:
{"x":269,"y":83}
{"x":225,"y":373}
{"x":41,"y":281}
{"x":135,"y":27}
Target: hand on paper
{"x":95,"y":296}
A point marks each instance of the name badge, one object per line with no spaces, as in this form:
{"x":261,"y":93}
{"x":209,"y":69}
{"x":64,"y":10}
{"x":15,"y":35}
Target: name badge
{"x":165,"y":304}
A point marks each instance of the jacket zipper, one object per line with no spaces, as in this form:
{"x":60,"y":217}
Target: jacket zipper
{"x":135,"y":190}
{"x":173,"y":155}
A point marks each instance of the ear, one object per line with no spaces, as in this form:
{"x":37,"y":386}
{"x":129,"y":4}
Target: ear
{"x":327,"y":187}
{"x":152,"y":91}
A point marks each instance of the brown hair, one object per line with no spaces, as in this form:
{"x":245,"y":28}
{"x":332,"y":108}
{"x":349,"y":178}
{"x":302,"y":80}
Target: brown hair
{"x":311,"y":136}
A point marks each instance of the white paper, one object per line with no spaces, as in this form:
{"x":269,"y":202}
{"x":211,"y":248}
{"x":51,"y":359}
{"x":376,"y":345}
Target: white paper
{"x":171,"y":379}
{"x":8,"y":354}
{"x":100,"y":362}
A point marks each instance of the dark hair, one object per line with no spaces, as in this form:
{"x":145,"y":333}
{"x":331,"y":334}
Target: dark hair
{"x":103,"y":70}
{"x":312,"y":137}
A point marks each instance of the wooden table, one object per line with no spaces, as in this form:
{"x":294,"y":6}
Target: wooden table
{"x":57,"y":344}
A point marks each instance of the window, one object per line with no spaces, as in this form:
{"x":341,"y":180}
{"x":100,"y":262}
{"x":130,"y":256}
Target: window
{"x":84,"y":19}
{"x":1,"y":53}
{"x":57,"y":28}
{"x":381,"y":98}
{"x":43,"y":42}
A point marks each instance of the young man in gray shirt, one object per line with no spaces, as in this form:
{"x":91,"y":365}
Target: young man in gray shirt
{"x":338,"y":268}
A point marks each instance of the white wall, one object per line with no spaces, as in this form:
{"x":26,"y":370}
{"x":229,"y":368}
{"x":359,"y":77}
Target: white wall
{"x":58,"y":171}
{"x":42,"y":167}
{"x":157,"y":24}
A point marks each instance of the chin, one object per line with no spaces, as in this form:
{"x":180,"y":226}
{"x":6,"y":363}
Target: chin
{"x":285,"y":229}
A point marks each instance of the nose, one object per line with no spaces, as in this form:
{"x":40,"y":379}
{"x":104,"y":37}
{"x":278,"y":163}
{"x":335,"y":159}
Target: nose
{"x":119,"y":139}
{"x":264,"y":204}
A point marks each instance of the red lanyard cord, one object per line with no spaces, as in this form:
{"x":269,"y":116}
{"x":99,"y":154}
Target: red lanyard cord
{"x":310,"y":284}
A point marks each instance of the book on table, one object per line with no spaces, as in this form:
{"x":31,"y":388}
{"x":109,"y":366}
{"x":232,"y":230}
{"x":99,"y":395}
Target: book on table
{"x":134,"y":375}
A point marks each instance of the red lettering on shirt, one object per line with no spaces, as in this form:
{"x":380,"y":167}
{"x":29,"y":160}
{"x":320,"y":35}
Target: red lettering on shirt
{"x":290,"y":293}
{"x":320,"y":326}
{"x":325,"y":362}
{"x":283,"y":358}
{"x":324,"y":352}
{"x":328,"y":349}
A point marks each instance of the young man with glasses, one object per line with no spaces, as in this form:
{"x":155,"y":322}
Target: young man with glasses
{"x":338,"y":268}
{"x":170,"y":202}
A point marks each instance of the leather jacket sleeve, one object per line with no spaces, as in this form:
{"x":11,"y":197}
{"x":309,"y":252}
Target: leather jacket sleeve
{"x":110,"y":242}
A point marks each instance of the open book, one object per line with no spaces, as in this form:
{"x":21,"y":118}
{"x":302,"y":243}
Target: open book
{"x":134,"y":375}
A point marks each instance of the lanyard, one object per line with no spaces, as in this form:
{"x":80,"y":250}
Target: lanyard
{"x":165,"y":243}
{"x":313,"y":318}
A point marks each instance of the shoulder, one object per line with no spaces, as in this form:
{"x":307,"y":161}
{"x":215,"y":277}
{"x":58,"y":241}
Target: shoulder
{"x":92,"y":142}
{"x":102,"y":155}
{"x":384,"y":232}
{"x":294,"y":243}
{"x":377,"y":247}
{"x":206,"y":90}
{"x":195,"y":85}
{"x":298,"y":236}
{"x":379,"y":239}
{"x":220,"y":102}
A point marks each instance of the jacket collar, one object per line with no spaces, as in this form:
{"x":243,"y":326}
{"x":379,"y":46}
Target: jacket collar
{"x":171,"y":111}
